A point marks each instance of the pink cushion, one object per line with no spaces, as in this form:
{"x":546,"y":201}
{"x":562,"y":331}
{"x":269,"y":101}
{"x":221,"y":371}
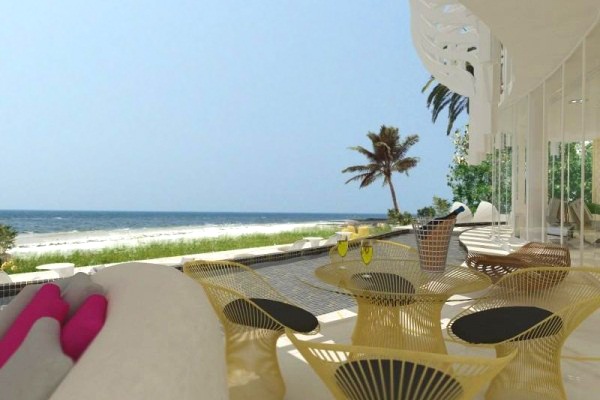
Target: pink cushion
{"x":45,"y":303}
{"x":82,"y":328}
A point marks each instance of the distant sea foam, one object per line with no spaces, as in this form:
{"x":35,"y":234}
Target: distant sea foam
{"x":25,"y":221}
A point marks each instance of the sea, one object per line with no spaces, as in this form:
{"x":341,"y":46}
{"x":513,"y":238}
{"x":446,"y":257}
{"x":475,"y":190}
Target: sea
{"x":44,"y":231}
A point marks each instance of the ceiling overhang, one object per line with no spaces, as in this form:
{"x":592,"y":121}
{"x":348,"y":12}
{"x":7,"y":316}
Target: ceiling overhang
{"x":537,"y":34}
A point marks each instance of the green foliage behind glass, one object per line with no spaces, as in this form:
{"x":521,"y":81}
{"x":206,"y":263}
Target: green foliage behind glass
{"x":594,"y":208}
{"x":472,"y":184}
{"x":572,"y":171}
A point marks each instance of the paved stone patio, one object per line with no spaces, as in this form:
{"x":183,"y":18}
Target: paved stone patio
{"x":295,"y":277}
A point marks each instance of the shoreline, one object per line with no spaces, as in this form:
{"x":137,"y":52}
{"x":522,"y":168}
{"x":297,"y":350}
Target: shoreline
{"x":66,"y":242}
{"x":249,"y":250}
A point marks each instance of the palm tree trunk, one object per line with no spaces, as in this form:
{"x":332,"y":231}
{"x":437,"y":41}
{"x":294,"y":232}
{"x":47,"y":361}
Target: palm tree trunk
{"x":393,"y":196}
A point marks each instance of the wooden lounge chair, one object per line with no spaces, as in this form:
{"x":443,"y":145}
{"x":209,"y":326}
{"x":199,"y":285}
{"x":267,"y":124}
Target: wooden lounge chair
{"x":532,"y":254}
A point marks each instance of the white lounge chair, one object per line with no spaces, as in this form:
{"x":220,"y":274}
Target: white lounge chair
{"x":297,"y":245}
{"x":486,"y":212}
{"x":464,"y":217}
{"x":553,"y":220}
{"x":4,"y":277}
{"x":591,"y":227}
{"x":331,"y":240}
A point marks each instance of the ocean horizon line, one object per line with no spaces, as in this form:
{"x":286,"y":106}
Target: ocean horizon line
{"x":63,"y":221}
{"x":194,"y":212}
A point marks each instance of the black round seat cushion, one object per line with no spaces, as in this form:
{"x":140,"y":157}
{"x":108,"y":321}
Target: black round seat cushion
{"x":395,"y":290}
{"x":241,"y":311}
{"x":499,"y":324}
{"x":374,"y":379}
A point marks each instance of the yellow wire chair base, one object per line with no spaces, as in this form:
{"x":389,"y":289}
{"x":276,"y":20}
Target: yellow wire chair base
{"x":254,"y":315}
{"x":413,"y":327}
{"x":532,"y":310}
{"x":253,"y":368}
{"x":375,"y":373}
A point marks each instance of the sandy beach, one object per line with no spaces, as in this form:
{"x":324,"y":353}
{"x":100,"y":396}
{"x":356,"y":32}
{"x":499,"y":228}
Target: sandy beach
{"x":64,"y":242}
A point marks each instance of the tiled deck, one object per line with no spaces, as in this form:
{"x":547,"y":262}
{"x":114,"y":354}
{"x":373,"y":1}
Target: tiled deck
{"x":581,"y":378}
{"x":337,"y":315}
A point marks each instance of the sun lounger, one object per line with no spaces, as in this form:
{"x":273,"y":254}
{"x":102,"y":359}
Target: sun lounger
{"x":591,"y":228}
{"x":297,"y":245}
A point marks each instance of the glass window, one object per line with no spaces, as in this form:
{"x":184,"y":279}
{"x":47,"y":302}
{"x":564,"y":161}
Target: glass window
{"x":591,"y":143}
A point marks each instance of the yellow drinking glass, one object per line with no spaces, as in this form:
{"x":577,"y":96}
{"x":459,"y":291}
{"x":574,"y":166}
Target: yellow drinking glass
{"x":342,"y":247}
{"x":366,"y":251}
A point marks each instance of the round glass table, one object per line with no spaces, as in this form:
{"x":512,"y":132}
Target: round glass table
{"x":399,"y":304}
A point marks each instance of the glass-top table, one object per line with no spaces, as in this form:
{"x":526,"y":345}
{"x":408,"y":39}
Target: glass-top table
{"x":399,"y":304}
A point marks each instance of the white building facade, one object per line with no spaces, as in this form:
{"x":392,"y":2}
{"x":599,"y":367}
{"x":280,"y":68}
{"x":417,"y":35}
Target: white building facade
{"x":531,"y":70}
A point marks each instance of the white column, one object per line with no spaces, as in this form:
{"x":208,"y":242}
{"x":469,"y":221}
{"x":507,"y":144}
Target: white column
{"x":535,"y":175}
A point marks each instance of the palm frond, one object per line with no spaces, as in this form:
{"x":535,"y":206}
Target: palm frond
{"x":370,"y":155}
{"x":429,"y":82}
{"x":441,"y":98}
{"x":359,"y":168}
{"x":365,"y":179}
{"x":405,"y":164}
{"x":456,"y":107}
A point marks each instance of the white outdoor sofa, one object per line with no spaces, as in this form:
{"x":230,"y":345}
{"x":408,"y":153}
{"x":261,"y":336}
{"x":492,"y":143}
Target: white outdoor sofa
{"x":161,"y":340}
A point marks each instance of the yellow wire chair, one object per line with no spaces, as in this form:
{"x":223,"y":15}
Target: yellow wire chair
{"x":533,"y":310}
{"x":363,"y":231}
{"x":376,"y":373}
{"x":254,"y":316}
{"x":399,"y":304}
{"x":381,"y":249}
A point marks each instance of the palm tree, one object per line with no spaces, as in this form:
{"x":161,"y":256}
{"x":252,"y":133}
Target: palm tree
{"x":388,"y":155}
{"x":441,"y":97}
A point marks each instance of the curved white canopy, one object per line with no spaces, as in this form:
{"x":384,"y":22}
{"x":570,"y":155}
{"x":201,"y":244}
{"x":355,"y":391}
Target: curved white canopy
{"x":537,"y":34}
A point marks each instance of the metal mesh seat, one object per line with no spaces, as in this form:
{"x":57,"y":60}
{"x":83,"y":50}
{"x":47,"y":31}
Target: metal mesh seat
{"x":254,"y":315}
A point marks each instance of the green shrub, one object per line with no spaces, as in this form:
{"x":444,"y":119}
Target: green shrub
{"x":7,"y":239}
{"x":441,"y":206}
{"x":400,"y":218}
{"x":426,"y":212}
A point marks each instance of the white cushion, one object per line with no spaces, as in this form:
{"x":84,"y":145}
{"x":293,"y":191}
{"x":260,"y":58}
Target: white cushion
{"x":161,"y":340}
{"x":75,"y":289}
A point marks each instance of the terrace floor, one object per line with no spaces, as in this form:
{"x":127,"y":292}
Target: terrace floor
{"x":295,"y":278}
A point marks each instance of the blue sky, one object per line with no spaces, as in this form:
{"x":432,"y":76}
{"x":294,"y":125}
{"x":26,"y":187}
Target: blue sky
{"x":209,"y":105}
